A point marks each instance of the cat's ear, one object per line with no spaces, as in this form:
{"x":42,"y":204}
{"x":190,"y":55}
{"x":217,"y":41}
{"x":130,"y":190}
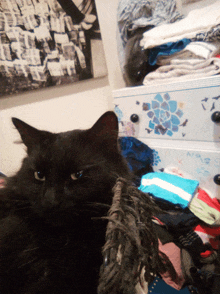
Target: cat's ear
{"x":106,"y":128}
{"x":29,"y":135}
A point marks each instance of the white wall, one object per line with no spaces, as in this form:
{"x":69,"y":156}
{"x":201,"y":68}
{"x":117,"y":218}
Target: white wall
{"x":66,"y":107}
{"x":107,"y":12}
{"x":57,"y":113}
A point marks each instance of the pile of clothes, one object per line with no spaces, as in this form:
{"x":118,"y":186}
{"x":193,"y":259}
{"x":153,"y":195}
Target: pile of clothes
{"x":175,"y":47}
{"x":189,"y":229}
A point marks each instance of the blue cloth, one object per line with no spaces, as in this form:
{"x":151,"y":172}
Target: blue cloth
{"x":138,"y":155}
{"x":166,"y":49}
{"x":158,"y":286}
{"x":169,"y":187}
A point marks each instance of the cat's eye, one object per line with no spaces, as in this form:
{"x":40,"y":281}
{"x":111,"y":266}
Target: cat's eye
{"x":39,"y":176}
{"x":77,"y":175}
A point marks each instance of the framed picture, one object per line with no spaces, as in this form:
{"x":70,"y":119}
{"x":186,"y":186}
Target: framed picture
{"x":46,"y":43}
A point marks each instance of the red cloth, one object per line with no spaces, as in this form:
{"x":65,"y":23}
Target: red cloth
{"x":212,"y":202}
{"x":206,"y":254}
{"x":209,"y":234}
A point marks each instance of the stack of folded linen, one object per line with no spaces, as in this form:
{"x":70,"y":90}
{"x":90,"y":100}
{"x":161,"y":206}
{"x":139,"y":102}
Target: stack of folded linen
{"x":158,"y":43}
{"x":186,"y":49}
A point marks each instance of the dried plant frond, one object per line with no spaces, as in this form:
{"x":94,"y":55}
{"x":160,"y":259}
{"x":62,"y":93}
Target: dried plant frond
{"x":131,"y":243}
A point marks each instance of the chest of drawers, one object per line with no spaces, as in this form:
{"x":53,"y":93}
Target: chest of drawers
{"x":180,"y":122}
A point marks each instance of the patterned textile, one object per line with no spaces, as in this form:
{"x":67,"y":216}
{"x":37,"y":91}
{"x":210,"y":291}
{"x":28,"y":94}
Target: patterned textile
{"x":133,"y":14}
{"x":211,"y":35}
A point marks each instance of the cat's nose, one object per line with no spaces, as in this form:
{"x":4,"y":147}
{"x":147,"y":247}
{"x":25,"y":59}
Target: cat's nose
{"x":49,"y":199}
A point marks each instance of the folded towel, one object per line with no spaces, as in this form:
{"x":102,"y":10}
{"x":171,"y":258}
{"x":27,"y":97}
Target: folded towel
{"x":197,"y":21}
{"x":183,"y":71}
{"x":169,"y":187}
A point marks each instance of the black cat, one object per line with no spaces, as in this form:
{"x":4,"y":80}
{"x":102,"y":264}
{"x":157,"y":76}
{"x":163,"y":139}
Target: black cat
{"x":51,"y":231}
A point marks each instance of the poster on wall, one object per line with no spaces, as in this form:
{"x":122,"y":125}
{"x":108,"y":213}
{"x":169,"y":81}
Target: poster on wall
{"x":45,"y":43}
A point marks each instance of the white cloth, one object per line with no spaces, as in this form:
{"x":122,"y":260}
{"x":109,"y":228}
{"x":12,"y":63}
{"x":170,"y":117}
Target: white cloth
{"x":178,"y":71}
{"x":196,"y":22}
{"x":194,"y":52}
{"x":203,"y":49}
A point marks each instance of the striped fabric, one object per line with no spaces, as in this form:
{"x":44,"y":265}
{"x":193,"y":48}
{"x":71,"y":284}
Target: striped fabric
{"x":168,"y":187}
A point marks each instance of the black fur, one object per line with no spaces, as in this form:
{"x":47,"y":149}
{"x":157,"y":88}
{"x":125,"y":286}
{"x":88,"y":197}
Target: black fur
{"x":136,"y":60}
{"x":51,"y":231}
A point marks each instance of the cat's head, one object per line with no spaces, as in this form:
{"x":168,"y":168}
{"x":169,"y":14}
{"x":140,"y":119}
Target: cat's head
{"x":72,"y":169}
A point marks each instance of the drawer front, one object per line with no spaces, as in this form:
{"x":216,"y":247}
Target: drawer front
{"x":203,"y":166}
{"x":183,"y":114}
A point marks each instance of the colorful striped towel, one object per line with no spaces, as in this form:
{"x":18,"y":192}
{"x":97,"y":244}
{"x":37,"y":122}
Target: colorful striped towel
{"x":169,"y":187}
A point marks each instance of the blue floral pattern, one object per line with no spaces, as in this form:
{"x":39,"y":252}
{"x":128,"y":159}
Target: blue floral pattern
{"x":164,"y":115}
{"x":156,"y":158}
{"x":119,"y":113}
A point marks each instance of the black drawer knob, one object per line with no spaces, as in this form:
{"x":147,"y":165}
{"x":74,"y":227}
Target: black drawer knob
{"x":134,"y":118}
{"x":217,"y":179}
{"x":216,"y":117}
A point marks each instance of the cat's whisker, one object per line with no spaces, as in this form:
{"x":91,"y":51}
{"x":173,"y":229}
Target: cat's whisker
{"x":29,"y":262}
{"x":95,"y":209}
{"x":30,"y":249}
{"x":98,"y":204}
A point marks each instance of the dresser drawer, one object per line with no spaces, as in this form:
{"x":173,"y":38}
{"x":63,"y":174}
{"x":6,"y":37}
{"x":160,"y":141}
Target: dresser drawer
{"x":201,"y":161}
{"x":182,"y":111}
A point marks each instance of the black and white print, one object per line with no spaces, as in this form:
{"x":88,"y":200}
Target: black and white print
{"x":41,"y":45}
